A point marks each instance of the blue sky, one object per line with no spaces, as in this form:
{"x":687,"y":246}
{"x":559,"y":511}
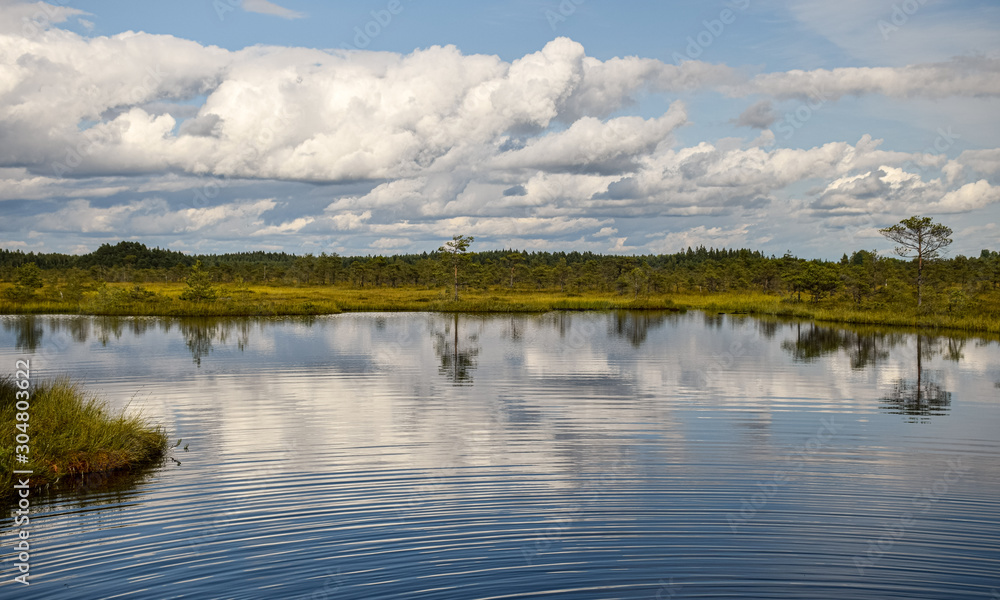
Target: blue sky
{"x":214,"y":126}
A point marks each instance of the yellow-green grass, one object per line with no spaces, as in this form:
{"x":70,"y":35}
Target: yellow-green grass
{"x":985,"y":318}
{"x":69,"y":434}
{"x":316,"y":300}
{"x":265,"y":300}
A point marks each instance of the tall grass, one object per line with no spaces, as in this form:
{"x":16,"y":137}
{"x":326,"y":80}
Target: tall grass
{"x":71,"y":434}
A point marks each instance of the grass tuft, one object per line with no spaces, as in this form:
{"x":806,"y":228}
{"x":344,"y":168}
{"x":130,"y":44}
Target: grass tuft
{"x":71,"y":434}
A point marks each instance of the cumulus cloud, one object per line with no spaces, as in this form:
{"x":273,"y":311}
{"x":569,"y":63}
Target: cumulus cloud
{"x":412,"y":146}
{"x":970,"y":196}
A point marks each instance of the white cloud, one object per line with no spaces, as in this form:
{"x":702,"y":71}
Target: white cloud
{"x":392,"y":243}
{"x":152,"y":216}
{"x":971,"y":196}
{"x":293,"y":226}
{"x":709,"y":237}
{"x":964,"y":76}
{"x":986,"y":162}
{"x":265,"y":7}
{"x":433,"y":142}
{"x":30,"y":19}
{"x":349,"y":221}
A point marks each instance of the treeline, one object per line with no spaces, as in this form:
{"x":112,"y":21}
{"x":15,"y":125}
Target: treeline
{"x":864,"y":277}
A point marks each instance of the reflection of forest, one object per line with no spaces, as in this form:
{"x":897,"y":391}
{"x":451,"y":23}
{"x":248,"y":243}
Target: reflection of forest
{"x":199,"y":334}
{"x":635,"y":326}
{"x":863,"y":347}
{"x":919,"y":397}
{"x":28,"y":332}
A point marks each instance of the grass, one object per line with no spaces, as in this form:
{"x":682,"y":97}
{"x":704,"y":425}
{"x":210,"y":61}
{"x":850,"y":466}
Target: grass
{"x":71,"y":435}
{"x":116,"y":300}
{"x":984,"y":318}
{"x":982,"y":314}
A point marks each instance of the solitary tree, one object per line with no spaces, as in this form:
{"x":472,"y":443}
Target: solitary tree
{"x":919,"y":238}
{"x":455,"y":252}
{"x":199,"y":285}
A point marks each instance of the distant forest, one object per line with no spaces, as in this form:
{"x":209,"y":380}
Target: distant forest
{"x":864,"y":276}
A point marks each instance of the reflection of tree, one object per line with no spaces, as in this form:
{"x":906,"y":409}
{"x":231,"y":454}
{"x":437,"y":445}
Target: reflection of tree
{"x":768,"y":328}
{"x":79,"y":328}
{"x":953,"y":351}
{"x":28,"y":330}
{"x":921,"y":398}
{"x":713,"y":320}
{"x":199,"y":336}
{"x":515,"y":328}
{"x":457,"y":360}
{"x":108,"y":327}
{"x":634,"y":326}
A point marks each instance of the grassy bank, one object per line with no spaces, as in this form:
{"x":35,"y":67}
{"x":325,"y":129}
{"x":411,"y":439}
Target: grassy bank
{"x":979,"y":314}
{"x":70,"y":434}
{"x":983,"y":318}
{"x":164,"y":299}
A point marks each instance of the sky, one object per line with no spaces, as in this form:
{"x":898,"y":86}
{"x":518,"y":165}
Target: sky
{"x":388,"y":126}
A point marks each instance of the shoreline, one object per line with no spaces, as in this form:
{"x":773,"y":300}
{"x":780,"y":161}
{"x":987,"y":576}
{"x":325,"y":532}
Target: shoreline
{"x":268,"y":301}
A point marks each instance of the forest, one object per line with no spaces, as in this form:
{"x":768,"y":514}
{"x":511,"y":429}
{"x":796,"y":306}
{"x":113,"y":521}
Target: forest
{"x":130,"y":272}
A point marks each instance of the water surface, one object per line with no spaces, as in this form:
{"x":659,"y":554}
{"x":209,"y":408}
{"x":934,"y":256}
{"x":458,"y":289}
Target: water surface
{"x":566,"y":455}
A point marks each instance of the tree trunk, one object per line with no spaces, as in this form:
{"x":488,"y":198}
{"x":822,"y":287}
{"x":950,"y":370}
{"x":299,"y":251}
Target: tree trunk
{"x":456,"y":281}
{"x":920,"y":270}
{"x":920,"y":279}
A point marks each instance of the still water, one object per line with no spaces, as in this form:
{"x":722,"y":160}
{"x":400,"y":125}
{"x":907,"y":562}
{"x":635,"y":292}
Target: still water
{"x":559,"y":456}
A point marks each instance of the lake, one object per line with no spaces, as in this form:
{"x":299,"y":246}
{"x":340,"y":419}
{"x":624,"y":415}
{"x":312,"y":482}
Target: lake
{"x":565,"y":455}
